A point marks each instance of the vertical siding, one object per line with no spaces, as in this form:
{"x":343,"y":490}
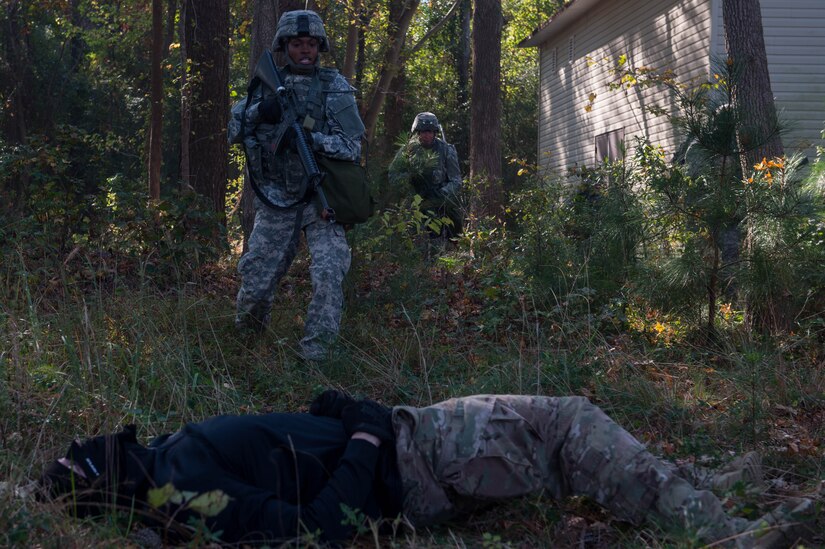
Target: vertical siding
{"x":665,"y":34}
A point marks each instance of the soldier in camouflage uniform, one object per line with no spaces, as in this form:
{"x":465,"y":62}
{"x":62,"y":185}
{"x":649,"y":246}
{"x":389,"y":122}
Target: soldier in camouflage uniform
{"x":430,"y":165}
{"x":325,"y":103}
{"x":463,"y":453}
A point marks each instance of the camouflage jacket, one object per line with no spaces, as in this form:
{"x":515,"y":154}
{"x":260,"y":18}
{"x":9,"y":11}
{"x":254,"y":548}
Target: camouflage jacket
{"x":327,"y":99}
{"x":440,"y":177}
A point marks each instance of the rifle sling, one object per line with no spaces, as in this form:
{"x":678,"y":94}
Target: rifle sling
{"x":252,"y":183}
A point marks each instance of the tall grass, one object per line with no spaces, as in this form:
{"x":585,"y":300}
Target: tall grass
{"x":82,"y":355}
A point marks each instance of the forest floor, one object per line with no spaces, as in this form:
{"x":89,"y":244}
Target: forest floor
{"x":98,"y":343}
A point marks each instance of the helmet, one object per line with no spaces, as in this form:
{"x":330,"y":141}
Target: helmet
{"x":425,"y":121}
{"x":300,"y":23}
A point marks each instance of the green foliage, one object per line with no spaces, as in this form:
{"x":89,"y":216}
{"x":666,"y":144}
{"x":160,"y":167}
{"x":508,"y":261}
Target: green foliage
{"x":208,"y":504}
{"x":176,"y":233}
{"x":707,"y":229}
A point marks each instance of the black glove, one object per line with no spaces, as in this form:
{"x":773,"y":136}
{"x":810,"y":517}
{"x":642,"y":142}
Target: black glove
{"x":330,"y":403}
{"x":270,"y":110}
{"x":370,"y":417}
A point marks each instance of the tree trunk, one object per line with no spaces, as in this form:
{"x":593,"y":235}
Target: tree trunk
{"x":156,"y":123}
{"x":16,"y":81}
{"x":485,"y":103}
{"x":361,"y":60}
{"x":389,"y":66}
{"x":18,"y":91}
{"x":208,"y":46}
{"x":353,"y":28}
{"x":264,"y":21}
{"x":757,"y":132}
{"x":171,"y":11}
{"x":185,"y":101}
{"x":394,"y":123}
{"x":462,"y":56}
{"x":752,"y":95}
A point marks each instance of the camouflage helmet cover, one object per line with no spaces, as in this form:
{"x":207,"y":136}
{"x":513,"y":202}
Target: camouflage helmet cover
{"x":425,"y":121}
{"x":300,"y":23}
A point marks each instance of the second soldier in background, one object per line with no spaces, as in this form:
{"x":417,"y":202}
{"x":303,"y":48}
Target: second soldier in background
{"x":430,"y":165}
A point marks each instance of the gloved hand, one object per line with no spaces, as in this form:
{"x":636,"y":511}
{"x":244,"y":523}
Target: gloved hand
{"x":270,"y":110}
{"x":369,"y":417}
{"x":330,"y":403}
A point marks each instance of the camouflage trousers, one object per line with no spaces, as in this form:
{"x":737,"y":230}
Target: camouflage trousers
{"x":466,"y":452}
{"x":272,"y":247}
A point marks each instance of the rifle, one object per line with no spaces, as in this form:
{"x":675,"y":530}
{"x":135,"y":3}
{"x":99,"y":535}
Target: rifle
{"x":268,"y":74}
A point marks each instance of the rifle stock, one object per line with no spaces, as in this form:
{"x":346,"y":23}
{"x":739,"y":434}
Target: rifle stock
{"x":268,"y":74}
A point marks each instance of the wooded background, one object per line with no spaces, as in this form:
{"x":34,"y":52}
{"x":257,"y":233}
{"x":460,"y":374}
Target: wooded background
{"x":144,"y":88}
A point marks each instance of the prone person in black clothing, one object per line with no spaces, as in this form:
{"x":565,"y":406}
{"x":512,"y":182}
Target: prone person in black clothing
{"x":275,"y":477}
{"x":279,"y":475}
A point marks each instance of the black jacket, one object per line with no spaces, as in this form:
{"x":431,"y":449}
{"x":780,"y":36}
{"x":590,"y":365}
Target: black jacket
{"x":286,"y":474}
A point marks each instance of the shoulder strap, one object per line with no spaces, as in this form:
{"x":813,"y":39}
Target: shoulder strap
{"x":327,"y":74}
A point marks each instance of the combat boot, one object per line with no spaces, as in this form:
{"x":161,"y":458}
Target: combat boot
{"x":313,"y":352}
{"x":784,"y":526}
{"x":745,"y":470}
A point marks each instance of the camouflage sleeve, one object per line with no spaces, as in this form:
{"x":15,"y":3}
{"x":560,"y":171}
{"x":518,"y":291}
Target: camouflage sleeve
{"x":343,"y":141}
{"x":238,"y":111}
{"x":233,"y":131}
{"x":453,"y":176}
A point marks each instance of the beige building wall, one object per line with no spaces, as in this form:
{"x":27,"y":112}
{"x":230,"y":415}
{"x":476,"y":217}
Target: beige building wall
{"x":651,"y":33}
{"x":681,"y":35}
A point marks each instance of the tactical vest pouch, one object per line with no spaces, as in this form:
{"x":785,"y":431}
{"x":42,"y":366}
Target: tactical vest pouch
{"x":347,"y":190}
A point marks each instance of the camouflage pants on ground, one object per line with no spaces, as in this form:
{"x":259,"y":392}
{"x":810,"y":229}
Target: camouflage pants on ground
{"x":465,"y":451}
{"x":272,"y":247}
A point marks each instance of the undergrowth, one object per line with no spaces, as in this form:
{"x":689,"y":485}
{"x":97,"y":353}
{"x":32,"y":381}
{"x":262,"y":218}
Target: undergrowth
{"x":566,"y":294}
{"x":83,"y":356}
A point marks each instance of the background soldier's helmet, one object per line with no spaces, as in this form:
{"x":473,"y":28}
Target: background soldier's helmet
{"x":425,"y":121}
{"x":300,"y":23}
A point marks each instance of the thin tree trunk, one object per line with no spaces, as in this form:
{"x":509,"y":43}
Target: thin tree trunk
{"x":264,"y":21}
{"x":15,"y":92}
{"x":462,"y":139}
{"x":713,"y":290}
{"x":185,"y":102}
{"x":171,"y":11}
{"x":389,"y":65}
{"x":485,"y":106}
{"x":208,"y":45}
{"x":156,"y":123}
{"x":361,"y":60}
{"x":17,"y":76}
{"x":353,"y":24}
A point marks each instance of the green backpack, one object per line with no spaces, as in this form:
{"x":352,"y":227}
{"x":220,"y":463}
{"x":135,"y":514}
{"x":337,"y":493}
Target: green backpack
{"x":346,"y":187}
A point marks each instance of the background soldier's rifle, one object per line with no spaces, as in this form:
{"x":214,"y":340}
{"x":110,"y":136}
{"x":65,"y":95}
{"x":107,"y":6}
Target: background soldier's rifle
{"x":269,"y":75}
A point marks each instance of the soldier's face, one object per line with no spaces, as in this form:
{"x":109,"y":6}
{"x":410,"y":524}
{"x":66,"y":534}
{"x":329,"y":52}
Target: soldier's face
{"x":426,"y":137}
{"x":303,"y":50}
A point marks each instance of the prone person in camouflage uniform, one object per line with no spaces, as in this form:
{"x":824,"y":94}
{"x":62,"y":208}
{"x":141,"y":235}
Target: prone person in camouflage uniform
{"x":468,"y":452}
{"x":325,"y":104}
{"x":285,"y":474}
{"x":430,"y":165}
